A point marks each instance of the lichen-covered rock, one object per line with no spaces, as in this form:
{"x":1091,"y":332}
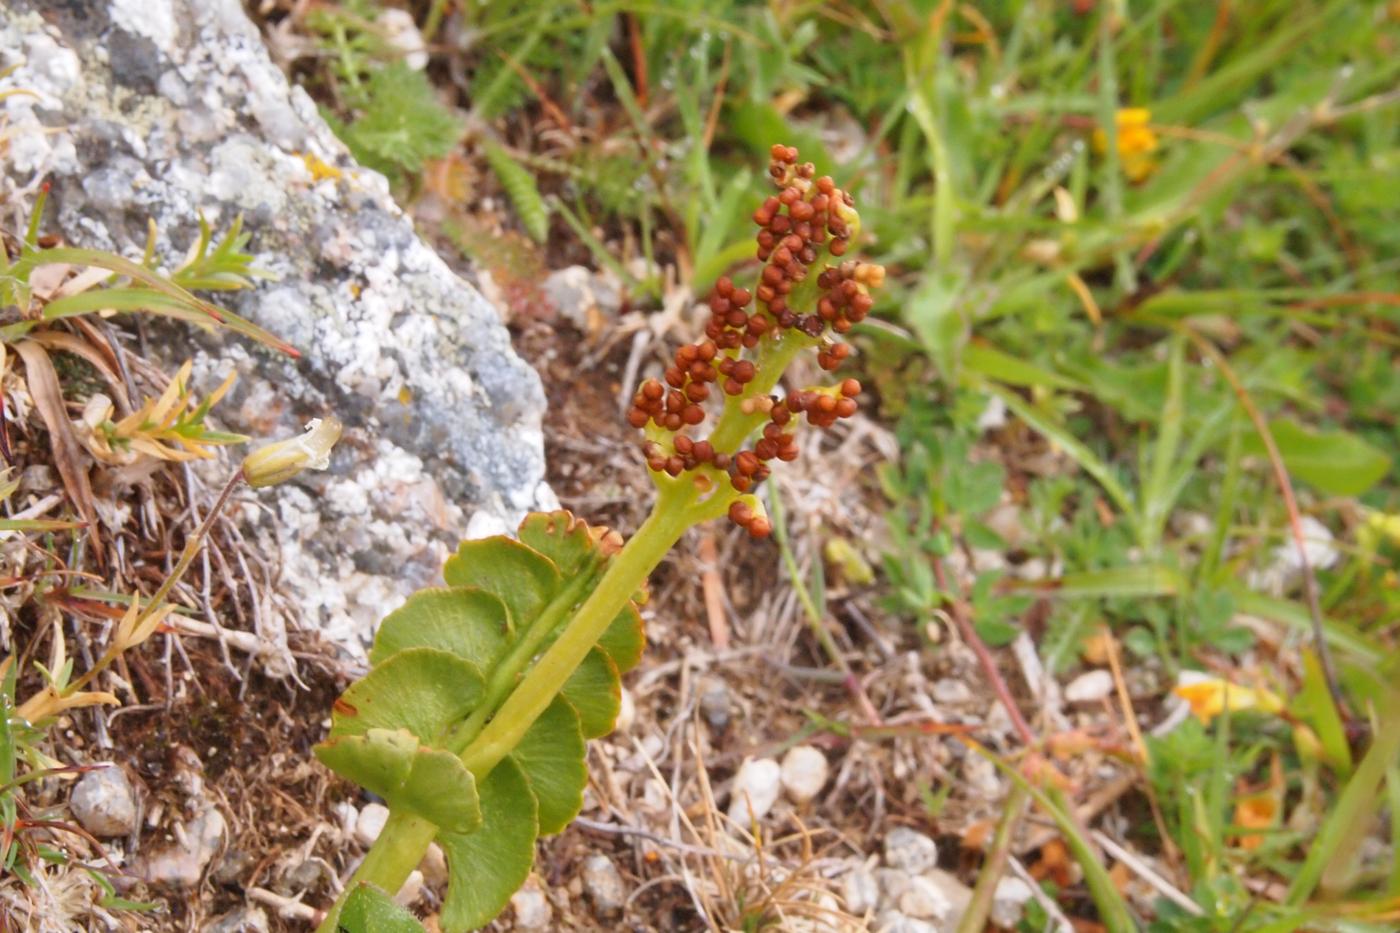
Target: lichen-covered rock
{"x":162,"y":109}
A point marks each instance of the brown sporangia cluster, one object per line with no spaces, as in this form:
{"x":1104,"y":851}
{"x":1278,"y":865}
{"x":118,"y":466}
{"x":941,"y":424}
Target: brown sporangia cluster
{"x":810,"y":218}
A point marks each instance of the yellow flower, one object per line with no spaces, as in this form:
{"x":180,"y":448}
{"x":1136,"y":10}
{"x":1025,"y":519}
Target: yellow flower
{"x":1384,"y":525}
{"x":282,"y":460}
{"x":1136,"y":142}
{"x":1212,"y":696}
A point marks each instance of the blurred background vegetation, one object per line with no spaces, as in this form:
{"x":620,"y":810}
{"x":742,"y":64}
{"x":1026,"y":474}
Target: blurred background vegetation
{"x":1143,"y":288}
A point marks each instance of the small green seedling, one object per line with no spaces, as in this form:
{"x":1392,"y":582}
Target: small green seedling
{"x":473,"y":719}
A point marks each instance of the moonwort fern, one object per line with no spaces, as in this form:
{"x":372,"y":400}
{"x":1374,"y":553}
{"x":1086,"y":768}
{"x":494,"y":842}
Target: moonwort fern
{"x":472,"y":721}
{"x":447,"y":658}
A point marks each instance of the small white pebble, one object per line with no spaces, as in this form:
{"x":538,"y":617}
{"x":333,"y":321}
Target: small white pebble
{"x":1009,"y":901}
{"x":412,"y":889}
{"x":370,"y":822}
{"x":1089,"y":687}
{"x":860,"y":891}
{"x":626,"y":712}
{"x":104,"y":802}
{"x":755,"y":790}
{"x":603,"y":884}
{"x":910,"y":850}
{"x":951,"y":692}
{"x":434,"y":865}
{"x":532,"y":910}
{"x":804,"y":773}
{"x":924,"y":900}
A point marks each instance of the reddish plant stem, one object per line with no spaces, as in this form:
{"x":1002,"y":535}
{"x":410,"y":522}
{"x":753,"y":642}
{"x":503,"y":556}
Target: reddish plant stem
{"x":958,"y":610}
{"x":1290,"y":503}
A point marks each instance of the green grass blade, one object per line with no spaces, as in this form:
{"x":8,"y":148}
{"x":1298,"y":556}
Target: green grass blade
{"x":1339,"y":839}
{"x":1113,"y":909}
{"x":1086,"y":458}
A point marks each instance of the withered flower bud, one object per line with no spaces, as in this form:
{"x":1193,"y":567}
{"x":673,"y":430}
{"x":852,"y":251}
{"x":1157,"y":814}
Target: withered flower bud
{"x":282,"y":460}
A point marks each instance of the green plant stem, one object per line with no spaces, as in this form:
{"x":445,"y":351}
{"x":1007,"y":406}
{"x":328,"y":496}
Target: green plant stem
{"x":979,"y":908}
{"x":507,"y":672}
{"x":628,"y":573}
{"x":398,"y":850}
{"x":814,"y":617}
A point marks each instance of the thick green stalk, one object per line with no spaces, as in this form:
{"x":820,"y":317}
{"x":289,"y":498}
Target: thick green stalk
{"x":398,"y":850}
{"x":627,"y":574}
{"x":507,"y":671}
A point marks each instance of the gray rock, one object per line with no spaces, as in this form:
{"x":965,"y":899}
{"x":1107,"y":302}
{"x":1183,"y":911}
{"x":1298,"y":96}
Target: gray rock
{"x":892,"y":883}
{"x":412,"y":889}
{"x":924,"y":899}
{"x":302,"y":877}
{"x":434,"y":865}
{"x":104,"y":802}
{"x":164,"y":110}
{"x":247,"y":919}
{"x":716,"y":704}
{"x":232,"y":866}
{"x":953,"y":891}
{"x":910,"y":850}
{"x":603,"y":884}
{"x":951,"y":692}
{"x":585,"y":299}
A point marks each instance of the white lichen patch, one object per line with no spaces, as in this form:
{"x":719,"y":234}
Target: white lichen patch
{"x":169,"y":109}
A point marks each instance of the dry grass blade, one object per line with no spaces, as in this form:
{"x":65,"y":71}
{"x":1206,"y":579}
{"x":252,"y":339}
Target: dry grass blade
{"x":44,"y":389}
{"x":70,"y":343}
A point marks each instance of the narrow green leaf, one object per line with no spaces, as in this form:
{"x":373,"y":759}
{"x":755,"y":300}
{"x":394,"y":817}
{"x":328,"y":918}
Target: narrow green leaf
{"x":1086,"y":458}
{"x":1113,"y":909}
{"x":552,"y":756}
{"x":595,"y":694}
{"x":1315,"y":706}
{"x":486,"y":867}
{"x":1336,"y":846}
{"x":521,"y":577}
{"x":1338,"y":463}
{"x":1339,"y":635}
{"x":1144,"y":580}
{"x":470,"y":623}
{"x":370,"y":910}
{"x":1158,"y":494}
{"x":423,"y":690}
{"x":994,"y":364}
